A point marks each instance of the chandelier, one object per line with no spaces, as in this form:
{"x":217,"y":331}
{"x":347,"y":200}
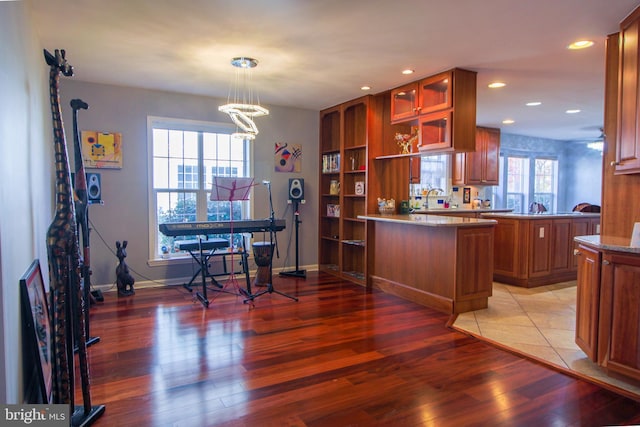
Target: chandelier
{"x":240,"y":104}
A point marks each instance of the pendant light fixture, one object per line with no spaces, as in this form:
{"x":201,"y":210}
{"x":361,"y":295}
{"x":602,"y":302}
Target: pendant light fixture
{"x":240,"y":104}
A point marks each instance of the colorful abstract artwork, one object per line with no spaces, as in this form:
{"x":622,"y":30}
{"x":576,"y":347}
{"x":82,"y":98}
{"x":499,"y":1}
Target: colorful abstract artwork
{"x":287,"y":157}
{"x":102,"y":150}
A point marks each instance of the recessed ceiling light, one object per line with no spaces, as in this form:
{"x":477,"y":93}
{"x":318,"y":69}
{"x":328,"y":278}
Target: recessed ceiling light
{"x":533,"y":103}
{"x":495,"y":85}
{"x":365,"y":87}
{"x":408,"y":71}
{"x":508,"y":121}
{"x":580,"y":44}
{"x":572,"y":111}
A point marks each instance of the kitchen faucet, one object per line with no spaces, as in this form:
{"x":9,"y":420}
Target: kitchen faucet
{"x":426,"y":202}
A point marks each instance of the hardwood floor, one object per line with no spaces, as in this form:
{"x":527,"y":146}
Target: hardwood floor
{"x":342,"y":355}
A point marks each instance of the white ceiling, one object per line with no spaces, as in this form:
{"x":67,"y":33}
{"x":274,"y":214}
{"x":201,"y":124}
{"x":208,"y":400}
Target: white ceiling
{"x":317,"y":53}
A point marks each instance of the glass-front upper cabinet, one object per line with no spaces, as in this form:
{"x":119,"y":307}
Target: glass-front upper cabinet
{"x":435,"y":93}
{"x":404,"y":103}
{"x":435,"y":130}
{"x":421,"y":97}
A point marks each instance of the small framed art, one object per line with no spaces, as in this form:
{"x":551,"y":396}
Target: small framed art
{"x":466,"y":195}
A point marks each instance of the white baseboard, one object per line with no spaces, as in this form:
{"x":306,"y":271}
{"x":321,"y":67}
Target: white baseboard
{"x":179,"y":281}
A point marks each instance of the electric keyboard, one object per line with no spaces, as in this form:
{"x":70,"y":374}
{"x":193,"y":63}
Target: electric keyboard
{"x":221,"y":227}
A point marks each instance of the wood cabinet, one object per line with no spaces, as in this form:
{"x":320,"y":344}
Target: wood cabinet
{"x":482,"y":166}
{"x":619,"y":211}
{"x":619,"y":322}
{"x":345,"y":132}
{"x":447,"y":267}
{"x":583,"y":227}
{"x":537,"y":250}
{"x":541,"y":249}
{"x":443,"y":106}
{"x":587,"y":300}
{"x":608,"y":304}
{"x":628,"y":135}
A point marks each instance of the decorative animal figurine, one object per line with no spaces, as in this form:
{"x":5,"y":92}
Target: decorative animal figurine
{"x":64,"y":258}
{"x":124,"y":279}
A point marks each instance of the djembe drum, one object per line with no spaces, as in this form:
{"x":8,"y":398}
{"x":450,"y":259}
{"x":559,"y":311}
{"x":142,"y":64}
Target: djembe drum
{"x":262,"y":254}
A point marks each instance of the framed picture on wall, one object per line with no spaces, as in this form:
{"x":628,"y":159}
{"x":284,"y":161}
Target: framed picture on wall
{"x":466,"y":195}
{"x":102,"y":150}
{"x":36,"y":336}
{"x":287,"y":157}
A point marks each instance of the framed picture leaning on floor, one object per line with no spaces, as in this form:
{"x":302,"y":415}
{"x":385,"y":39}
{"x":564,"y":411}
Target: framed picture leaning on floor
{"x":36,"y":336}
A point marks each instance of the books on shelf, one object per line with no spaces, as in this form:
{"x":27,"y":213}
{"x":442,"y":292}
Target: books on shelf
{"x":331,"y":163}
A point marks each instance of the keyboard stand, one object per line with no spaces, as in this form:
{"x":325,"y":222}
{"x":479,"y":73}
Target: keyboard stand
{"x":201,"y":251}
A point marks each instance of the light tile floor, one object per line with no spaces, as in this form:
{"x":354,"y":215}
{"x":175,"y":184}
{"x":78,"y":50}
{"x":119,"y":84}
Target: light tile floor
{"x":538,"y":322}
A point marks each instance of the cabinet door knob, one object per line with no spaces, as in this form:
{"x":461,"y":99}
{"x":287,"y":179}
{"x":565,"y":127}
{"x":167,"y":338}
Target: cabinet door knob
{"x":605,"y":262}
{"x":614,"y":163}
{"x":576,"y":252}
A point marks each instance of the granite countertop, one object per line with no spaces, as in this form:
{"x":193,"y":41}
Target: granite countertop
{"x":440,"y":211}
{"x":541,"y":215}
{"x":609,"y":243}
{"x":430,"y":220}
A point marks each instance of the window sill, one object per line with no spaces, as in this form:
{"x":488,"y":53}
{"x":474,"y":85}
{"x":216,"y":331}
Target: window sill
{"x":158,"y":262}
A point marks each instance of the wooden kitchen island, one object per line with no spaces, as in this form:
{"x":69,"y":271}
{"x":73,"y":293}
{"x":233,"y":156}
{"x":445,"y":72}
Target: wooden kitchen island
{"x":442,"y":262}
{"x":537,"y":249}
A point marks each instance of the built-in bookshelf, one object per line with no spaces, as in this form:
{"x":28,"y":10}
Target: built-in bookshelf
{"x":343,"y":186}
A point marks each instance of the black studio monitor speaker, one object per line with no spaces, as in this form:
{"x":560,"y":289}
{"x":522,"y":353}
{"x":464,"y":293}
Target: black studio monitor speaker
{"x":296,"y":189}
{"x":94,"y":187}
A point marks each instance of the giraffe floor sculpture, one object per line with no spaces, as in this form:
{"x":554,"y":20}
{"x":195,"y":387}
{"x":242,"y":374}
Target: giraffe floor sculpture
{"x":64,"y":268}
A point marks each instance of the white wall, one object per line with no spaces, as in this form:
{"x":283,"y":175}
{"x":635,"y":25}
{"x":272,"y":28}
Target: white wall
{"x":584,"y":171}
{"x":26,"y":162}
{"x":124,"y":215}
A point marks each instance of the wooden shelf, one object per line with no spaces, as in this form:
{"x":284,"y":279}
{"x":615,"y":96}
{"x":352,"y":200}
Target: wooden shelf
{"x":399,"y":156}
{"x":354,"y":220}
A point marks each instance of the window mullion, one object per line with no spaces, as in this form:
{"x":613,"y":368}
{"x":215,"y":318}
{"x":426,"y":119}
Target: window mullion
{"x":202,"y":181}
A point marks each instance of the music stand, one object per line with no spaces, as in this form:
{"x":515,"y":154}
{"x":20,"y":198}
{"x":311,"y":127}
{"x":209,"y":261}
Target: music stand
{"x":230,"y":189}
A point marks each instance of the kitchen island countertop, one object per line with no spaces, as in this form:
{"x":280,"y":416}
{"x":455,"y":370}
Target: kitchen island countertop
{"x":542,"y":215}
{"x":430,"y":220}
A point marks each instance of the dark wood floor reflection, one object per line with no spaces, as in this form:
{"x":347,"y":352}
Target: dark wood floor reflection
{"x":340,"y":356}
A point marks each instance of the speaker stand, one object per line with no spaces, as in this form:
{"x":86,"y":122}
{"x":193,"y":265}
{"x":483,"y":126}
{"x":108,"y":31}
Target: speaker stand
{"x":297,"y":272}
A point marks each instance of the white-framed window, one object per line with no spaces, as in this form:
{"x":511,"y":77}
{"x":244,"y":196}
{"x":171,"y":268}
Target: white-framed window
{"x":435,"y":172}
{"x":545,"y":189}
{"x":525,"y":180}
{"x":517,"y":170}
{"x":185,"y":156}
